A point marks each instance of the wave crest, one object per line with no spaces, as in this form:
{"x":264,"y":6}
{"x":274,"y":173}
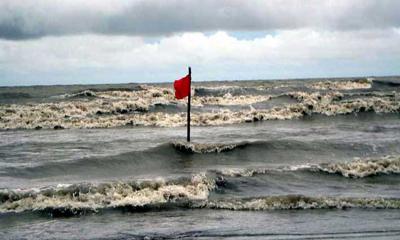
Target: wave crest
{"x":361,"y":169}
{"x":132,"y":108}
{"x":301,"y":202}
{"x":190,"y":147}
{"x":77,"y":198}
{"x":342,"y":85}
{"x":355,"y":169}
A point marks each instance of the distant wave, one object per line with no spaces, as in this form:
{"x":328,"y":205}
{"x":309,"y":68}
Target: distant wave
{"x":85,"y":93}
{"x":92,"y":92}
{"x":156,"y":106}
{"x":203,"y":91}
{"x":342,"y":85}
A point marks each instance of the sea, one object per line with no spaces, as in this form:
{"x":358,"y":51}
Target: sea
{"x":282,"y":159}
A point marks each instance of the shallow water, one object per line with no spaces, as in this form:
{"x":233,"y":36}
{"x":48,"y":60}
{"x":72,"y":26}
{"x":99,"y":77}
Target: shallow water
{"x":317,"y":176}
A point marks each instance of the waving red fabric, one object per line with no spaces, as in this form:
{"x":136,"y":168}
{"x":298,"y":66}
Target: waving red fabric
{"x":182,"y":87}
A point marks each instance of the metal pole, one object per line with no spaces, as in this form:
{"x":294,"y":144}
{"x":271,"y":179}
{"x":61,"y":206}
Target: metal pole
{"x":188,"y":110}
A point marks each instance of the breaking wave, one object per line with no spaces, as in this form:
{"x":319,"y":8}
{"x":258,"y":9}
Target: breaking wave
{"x":361,"y":169}
{"x":105,"y":109}
{"x":207,"y":147}
{"x":300,"y":202}
{"x":77,"y":199}
{"x":193,"y":192}
{"x":203,"y":91}
{"x":353,"y":169}
{"x":82,"y":94}
{"x":342,"y":85}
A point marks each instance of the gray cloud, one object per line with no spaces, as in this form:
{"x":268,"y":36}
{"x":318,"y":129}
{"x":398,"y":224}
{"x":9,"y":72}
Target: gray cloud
{"x":37,"y":18}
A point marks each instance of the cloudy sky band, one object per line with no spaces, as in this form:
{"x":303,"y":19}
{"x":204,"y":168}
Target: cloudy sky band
{"x":76,"y":41}
{"x":24,"y":19}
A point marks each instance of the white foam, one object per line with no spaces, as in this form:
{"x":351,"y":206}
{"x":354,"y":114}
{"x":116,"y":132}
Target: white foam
{"x":341,"y":85}
{"x":118,"y":194}
{"x":120,"y":108}
{"x":206,"y":147}
{"x":363,"y":168}
{"x":301,"y":202}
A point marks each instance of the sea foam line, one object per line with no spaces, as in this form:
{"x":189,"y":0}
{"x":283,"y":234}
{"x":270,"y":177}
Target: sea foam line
{"x":121,"y":108}
{"x":288,"y":202}
{"x":352,"y":169}
{"x":75,"y":198}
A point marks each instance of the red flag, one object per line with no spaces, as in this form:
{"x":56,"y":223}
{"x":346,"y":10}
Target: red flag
{"x":182,"y":87}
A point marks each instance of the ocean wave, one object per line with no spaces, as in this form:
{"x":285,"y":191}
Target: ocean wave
{"x":391,"y":82}
{"x":341,"y":85}
{"x":193,"y":192}
{"x":75,"y":199}
{"x":332,"y":103}
{"x":229,"y":100}
{"x":204,"y":91}
{"x":190,"y":147}
{"x":250,"y":172}
{"x":127,"y":162}
{"x":299,"y":202}
{"x":354,"y":169}
{"x":80,"y":199}
{"x":84,"y":93}
{"x":239,"y":172}
{"x":136,"y":108}
{"x":135,"y":160}
{"x":363,"y":168}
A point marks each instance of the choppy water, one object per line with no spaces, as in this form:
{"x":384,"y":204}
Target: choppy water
{"x":273,"y":160}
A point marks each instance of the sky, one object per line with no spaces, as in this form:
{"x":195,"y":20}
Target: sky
{"x":45,"y":42}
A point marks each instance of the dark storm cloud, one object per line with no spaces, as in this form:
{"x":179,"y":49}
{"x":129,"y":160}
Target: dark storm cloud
{"x":32,"y":19}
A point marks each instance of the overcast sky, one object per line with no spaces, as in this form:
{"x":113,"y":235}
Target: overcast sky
{"x":108,"y":41}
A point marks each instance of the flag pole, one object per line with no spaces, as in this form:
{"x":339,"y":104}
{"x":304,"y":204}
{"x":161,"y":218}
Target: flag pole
{"x":188,"y":110}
